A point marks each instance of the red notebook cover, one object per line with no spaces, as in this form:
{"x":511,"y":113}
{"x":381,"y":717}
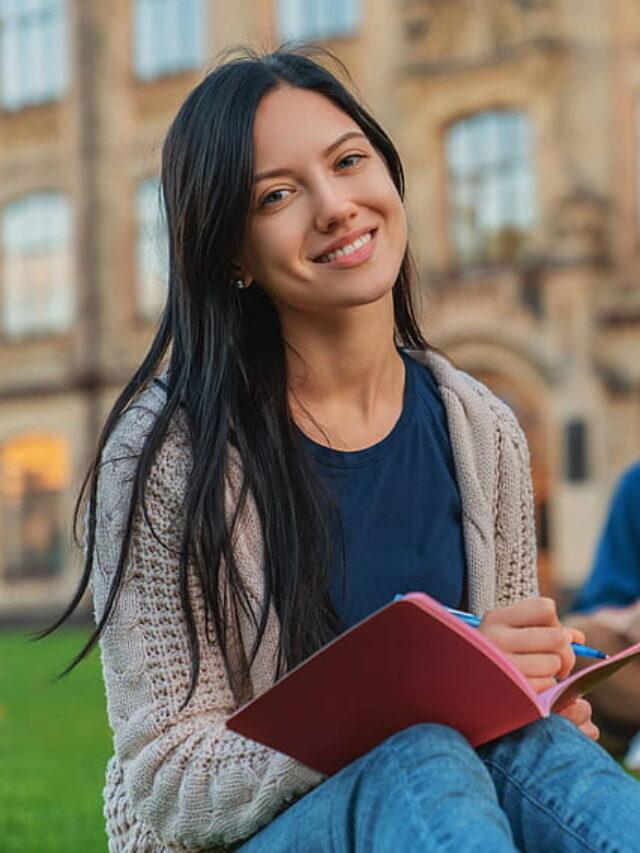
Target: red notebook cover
{"x":410,"y":662}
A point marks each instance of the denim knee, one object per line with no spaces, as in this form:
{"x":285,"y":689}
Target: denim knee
{"x":563,"y":791}
{"x":430,"y":734}
{"x":426,"y":741}
{"x":429,"y":783}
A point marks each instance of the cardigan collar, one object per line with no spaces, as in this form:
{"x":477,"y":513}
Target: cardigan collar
{"x":472,"y":415}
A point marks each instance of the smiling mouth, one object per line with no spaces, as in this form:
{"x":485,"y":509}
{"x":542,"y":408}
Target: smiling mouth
{"x":349,"y":249}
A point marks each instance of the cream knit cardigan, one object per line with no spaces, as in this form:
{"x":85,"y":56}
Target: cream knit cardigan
{"x":179,"y":780}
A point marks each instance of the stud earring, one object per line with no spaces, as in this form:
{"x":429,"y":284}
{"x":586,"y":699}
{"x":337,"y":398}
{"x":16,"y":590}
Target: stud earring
{"x":241,"y":284}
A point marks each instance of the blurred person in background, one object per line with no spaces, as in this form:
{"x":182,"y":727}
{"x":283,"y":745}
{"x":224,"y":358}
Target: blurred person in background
{"x":607,"y":610}
{"x":290,"y":454}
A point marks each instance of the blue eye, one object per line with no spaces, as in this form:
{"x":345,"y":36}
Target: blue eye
{"x":273,"y":197}
{"x":350,"y":160}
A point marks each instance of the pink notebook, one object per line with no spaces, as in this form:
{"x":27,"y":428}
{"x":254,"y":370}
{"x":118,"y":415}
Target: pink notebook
{"x":410,"y":662}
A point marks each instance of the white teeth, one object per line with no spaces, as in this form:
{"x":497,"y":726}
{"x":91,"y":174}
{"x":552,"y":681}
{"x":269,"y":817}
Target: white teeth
{"x":345,"y":250}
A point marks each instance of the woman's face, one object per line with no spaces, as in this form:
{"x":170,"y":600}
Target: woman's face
{"x":327,"y":229}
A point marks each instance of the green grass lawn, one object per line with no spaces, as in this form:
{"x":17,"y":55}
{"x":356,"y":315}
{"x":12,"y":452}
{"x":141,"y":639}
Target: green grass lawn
{"x":54,"y":745}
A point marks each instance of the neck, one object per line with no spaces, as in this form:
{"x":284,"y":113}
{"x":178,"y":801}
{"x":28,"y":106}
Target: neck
{"x":346,"y":378}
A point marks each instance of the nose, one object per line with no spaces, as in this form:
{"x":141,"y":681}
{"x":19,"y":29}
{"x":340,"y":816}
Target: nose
{"x":333,"y":208}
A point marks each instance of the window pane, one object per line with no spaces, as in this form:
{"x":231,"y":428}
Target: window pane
{"x":489,"y":160}
{"x":33,"y":49}
{"x":37,"y":293}
{"x":58,"y":48}
{"x":317,"y":19}
{"x":289,"y":18}
{"x":194,"y":32}
{"x":34,"y":477}
{"x":169,"y":36}
{"x":151,"y":250}
{"x":143,"y":37}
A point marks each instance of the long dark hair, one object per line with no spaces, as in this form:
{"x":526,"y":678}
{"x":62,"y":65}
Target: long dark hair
{"x":227,"y":373}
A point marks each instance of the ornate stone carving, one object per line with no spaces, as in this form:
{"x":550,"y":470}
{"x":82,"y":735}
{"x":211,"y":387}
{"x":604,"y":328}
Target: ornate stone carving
{"x":453,"y":32}
{"x":580,"y":229}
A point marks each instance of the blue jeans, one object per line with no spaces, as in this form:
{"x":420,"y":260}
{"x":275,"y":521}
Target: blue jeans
{"x":545,"y":787}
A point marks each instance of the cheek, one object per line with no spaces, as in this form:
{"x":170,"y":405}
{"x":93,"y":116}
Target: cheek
{"x":405,"y":232}
{"x":386,"y":198}
{"x":273,"y":247}
{"x":400,"y":218}
{"x":395,"y":203}
{"x":397,"y":222}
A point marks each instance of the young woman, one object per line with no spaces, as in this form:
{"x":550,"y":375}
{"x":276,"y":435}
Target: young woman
{"x":289,"y":455}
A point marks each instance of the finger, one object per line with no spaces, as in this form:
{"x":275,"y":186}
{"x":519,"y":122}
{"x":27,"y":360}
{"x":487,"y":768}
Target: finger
{"x":556,"y":640}
{"x":538,"y":685}
{"x":591,"y":730}
{"x":568,"y":657}
{"x":537,"y":665}
{"x":531,"y":640}
{"x":578,"y":712}
{"x":531,"y":611}
{"x":577,"y":635}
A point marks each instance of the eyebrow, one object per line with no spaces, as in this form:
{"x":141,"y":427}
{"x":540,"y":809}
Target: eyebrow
{"x":272,"y":173}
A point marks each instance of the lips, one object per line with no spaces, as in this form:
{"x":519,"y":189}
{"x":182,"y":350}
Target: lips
{"x":347,"y":245}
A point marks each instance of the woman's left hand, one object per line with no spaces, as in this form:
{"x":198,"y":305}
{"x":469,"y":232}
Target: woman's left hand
{"x":579,"y":713}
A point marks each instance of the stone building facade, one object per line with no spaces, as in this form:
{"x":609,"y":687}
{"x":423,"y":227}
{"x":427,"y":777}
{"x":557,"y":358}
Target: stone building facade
{"x":543,"y":305}
{"x":517,"y":122}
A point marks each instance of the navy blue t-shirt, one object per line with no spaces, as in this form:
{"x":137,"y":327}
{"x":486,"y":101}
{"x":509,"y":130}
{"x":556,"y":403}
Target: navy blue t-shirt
{"x":399,"y":506}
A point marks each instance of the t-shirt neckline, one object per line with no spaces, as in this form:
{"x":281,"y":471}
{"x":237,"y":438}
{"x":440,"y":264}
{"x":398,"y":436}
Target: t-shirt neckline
{"x":366,"y":455}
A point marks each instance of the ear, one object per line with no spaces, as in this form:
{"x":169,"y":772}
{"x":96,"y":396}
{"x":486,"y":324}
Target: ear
{"x":240,"y":271}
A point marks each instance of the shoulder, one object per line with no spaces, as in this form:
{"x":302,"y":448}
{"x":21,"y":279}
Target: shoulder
{"x":483,"y":429}
{"x":129,"y":436}
{"x":477,"y":401}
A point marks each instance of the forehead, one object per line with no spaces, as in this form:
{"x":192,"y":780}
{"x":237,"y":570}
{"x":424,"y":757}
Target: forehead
{"x":292,"y":123}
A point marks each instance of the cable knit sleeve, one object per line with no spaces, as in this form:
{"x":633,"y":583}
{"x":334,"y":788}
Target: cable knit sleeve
{"x":514,"y":518}
{"x":179,"y":779}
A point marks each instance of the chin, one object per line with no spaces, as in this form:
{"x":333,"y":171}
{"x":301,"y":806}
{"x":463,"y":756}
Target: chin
{"x":353,"y":298}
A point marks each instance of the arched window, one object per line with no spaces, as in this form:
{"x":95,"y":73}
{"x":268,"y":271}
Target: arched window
{"x":168,"y":36}
{"x":151,"y":250}
{"x":34,"y":476}
{"x":33,"y":51}
{"x":317,"y":19}
{"x":36,"y":246}
{"x":491,"y":186}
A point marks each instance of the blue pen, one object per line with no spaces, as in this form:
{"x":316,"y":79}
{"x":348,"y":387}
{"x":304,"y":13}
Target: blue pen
{"x":578,"y":648}
{"x":474,"y":621}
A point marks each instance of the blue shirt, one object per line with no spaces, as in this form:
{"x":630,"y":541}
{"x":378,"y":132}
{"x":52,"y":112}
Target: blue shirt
{"x":399,"y":506}
{"x":615,"y":575}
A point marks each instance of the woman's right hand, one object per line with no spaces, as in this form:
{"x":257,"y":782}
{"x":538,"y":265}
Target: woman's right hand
{"x":532,"y":637}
